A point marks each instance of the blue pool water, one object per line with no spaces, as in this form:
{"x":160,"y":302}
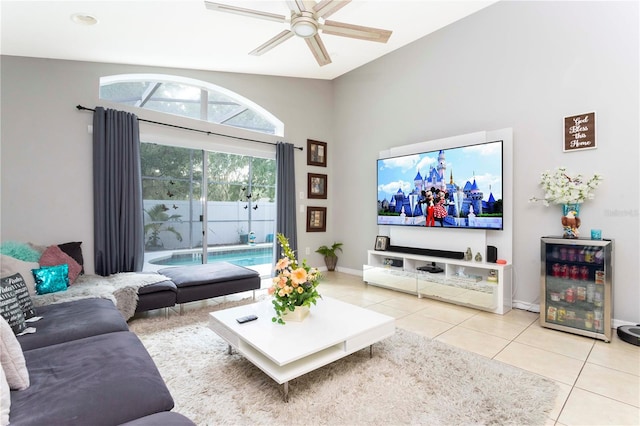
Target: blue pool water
{"x":244,"y":257}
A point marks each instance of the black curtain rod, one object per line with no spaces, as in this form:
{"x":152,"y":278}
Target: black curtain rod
{"x":82,"y":108}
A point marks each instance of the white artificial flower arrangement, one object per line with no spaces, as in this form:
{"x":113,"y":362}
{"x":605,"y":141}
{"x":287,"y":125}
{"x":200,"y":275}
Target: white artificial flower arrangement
{"x":561,"y":188}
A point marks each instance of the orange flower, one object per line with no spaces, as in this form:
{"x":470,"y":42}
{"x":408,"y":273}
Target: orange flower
{"x":282,"y":263}
{"x":271,"y":290}
{"x":282,"y":293}
{"x":299,"y":276}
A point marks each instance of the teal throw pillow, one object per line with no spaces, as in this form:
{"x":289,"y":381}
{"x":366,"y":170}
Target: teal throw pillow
{"x":51,"y":279}
{"x":20,"y":251}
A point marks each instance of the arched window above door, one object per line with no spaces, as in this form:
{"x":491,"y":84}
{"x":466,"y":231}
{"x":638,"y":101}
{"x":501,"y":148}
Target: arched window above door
{"x":190,"y":98}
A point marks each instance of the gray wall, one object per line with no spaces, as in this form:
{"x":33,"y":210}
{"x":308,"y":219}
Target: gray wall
{"x":46,"y":149}
{"x":520,"y":65}
{"x":523,"y":65}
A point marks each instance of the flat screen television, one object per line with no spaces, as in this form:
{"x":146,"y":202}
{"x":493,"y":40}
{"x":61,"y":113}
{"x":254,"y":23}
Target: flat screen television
{"x":457,"y":188}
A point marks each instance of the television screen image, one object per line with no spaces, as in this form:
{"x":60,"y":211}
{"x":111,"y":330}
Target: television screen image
{"x":459,"y":187}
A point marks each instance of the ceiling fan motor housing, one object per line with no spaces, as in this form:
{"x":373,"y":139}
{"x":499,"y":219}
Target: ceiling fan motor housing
{"x":304,"y":24}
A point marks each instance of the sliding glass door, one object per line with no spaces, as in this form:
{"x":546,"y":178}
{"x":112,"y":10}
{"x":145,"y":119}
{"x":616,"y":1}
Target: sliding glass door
{"x":203,"y":206}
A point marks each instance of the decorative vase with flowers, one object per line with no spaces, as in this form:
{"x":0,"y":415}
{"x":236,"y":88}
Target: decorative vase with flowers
{"x":570,"y":191}
{"x":294,"y":287}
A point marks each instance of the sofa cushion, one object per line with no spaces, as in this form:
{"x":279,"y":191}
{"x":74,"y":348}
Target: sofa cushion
{"x":53,"y":256}
{"x":51,"y":279}
{"x":166,"y":418}
{"x":10,"y":266}
{"x":12,"y":359}
{"x":156,"y":296}
{"x":63,"y":322}
{"x":100,"y":380}
{"x":74,"y":250}
{"x":210,"y":273}
{"x":22,"y":294}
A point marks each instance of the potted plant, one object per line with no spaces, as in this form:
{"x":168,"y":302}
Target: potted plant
{"x":157,"y":223}
{"x":329,"y":253}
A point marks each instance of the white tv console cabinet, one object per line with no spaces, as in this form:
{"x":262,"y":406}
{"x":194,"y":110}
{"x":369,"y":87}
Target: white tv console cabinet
{"x":461,"y":282}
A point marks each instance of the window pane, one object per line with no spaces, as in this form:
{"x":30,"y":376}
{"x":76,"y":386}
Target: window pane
{"x":197,"y":101}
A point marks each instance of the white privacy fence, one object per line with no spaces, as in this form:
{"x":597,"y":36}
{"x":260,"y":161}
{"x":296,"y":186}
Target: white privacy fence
{"x":228,"y":223}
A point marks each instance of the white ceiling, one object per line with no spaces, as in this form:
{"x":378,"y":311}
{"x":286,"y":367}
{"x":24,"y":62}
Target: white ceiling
{"x":184,"y":34}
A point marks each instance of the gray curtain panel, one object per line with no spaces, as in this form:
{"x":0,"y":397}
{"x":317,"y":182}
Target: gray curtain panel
{"x":117,"y":193}
{"x":286,"y":194}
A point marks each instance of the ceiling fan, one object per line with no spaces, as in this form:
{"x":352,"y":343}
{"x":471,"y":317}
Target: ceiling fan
{"x":306,"y":19}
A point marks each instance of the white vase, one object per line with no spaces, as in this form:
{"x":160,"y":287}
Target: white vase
{"x":299,"y":314}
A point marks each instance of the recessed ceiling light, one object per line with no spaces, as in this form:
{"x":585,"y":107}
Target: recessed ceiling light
{"x":84,"y":19}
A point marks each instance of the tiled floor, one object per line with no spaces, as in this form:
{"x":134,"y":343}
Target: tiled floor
{"x":599,"y":383}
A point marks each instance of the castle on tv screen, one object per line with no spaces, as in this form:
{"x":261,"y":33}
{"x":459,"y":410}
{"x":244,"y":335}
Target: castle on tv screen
{"x":435,"y":199}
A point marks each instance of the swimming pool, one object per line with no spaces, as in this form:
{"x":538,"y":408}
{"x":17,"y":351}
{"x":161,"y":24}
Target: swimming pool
{"x":240,"y":257}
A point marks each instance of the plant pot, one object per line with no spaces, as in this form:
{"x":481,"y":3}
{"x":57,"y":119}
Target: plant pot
{"x":331,"y":262}
{"x":299,"y":314}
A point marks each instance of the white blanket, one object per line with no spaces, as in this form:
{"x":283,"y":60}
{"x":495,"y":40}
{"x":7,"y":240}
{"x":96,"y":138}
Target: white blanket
{"x":121,"y":289}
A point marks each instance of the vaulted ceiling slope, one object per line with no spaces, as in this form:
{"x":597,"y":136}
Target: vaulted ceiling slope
{"x":185,"y":34}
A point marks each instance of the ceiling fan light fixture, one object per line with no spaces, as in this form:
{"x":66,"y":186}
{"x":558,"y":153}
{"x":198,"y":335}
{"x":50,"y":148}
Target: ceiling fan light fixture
{"x":304,"y":25}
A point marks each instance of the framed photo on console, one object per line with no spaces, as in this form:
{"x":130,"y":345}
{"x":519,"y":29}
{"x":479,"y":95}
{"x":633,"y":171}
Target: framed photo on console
{"x":316,"y":185}
{"x":316,"y":219}
{"x":316,"y":153}
{"x":382,"y":243}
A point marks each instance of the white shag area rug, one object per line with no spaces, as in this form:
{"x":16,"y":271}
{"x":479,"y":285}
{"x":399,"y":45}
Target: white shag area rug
{"x":410,"y":380}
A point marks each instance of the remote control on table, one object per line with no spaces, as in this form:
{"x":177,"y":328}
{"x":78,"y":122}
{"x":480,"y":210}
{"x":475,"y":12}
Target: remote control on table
{"x":248,"y":318}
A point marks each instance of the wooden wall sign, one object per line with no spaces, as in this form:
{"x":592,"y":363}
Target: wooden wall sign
{"x":580,"y":132}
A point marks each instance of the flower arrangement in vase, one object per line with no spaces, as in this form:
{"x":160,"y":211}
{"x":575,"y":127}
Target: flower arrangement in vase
{"x":561,"y":188}
{"x":294,"y":285}
{"x":570,"y":191}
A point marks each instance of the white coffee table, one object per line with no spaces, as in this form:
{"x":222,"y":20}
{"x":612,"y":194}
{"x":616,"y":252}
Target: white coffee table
{"x":333,"y":330}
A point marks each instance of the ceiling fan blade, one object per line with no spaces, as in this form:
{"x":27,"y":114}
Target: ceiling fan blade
{"x":329,"y":7}
{"x":318,"y":50}
{"x":299,"y":6}
{"x":218,"y":7}
{"x":282,"y":37}
{"x":355,"y":31}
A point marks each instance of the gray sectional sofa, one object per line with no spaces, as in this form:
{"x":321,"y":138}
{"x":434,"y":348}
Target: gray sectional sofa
{"x":86,"y":368}
{"x":196,"y":282}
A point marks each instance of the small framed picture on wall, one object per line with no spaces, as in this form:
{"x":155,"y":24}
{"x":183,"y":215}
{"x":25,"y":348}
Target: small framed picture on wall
{"x":316,"y":219}
{"x":316,"y":153}
{"x":316,"y":186}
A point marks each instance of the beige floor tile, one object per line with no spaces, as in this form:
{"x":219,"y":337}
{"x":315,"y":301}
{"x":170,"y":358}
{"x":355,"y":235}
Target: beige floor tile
{"x":587,"y":408}
{"x":561,"y":399}
{"x":473,"y":341}
{"x":618,"y":355}
{"x":388,"y":310}
{"x":407,"y":303}
{"x":494,"y":325}
{"x":556,"y":341}
{"x":425,"y":326}
{"x":614,"y":384}
{"x":555,"y":366}
{"x":520,"y":316}
{"x":447,"y":312}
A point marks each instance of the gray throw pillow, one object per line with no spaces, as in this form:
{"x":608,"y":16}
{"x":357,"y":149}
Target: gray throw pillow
{"x":10,"y":309}
{"x":16,"y":281}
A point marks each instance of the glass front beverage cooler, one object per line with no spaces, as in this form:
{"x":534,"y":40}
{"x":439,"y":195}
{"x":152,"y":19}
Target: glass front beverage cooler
{"x":576,"y":286}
